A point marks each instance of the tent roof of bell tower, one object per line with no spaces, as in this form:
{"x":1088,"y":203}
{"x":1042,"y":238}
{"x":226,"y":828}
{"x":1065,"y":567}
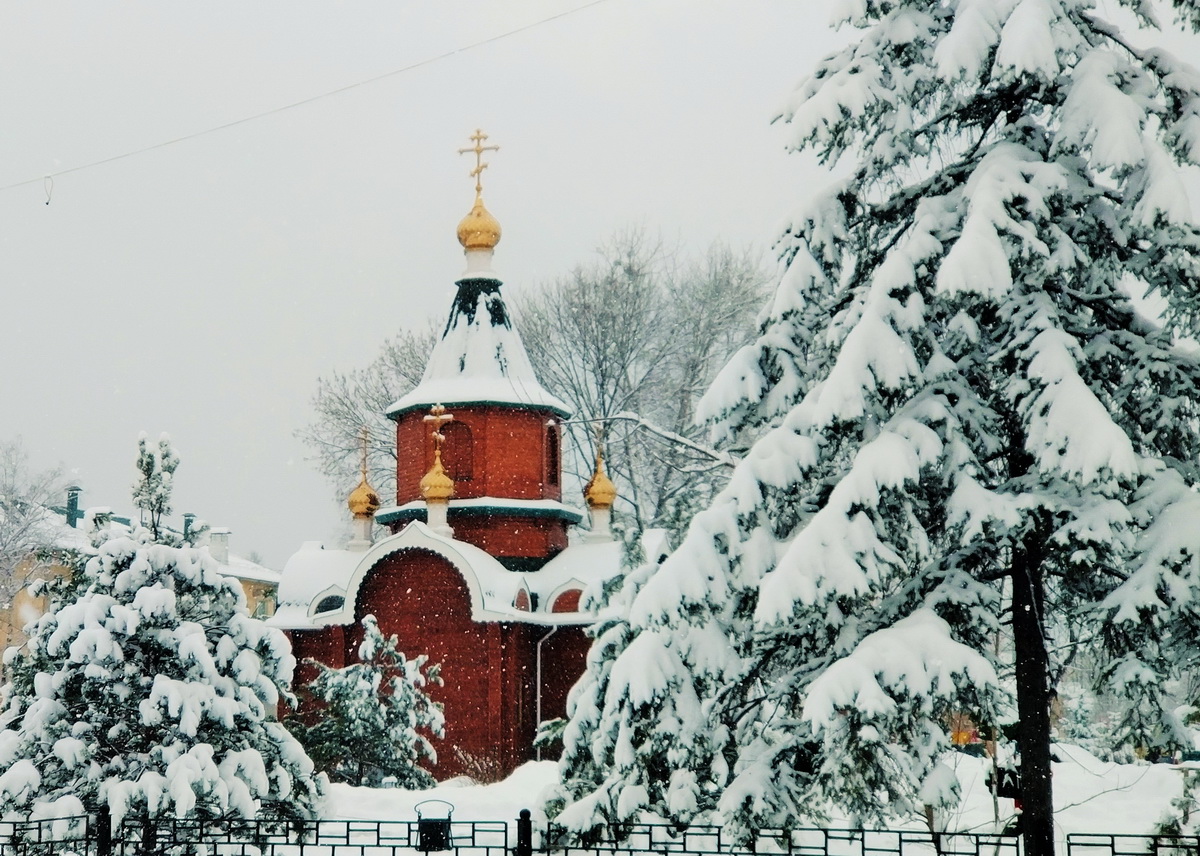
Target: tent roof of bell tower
{"x":480,"y":358}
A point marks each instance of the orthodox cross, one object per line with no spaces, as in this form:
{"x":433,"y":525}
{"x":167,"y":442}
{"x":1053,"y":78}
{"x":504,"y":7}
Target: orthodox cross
{"x":479,"y":148}
{"x":362,"y":442}
{"x":437,"y":418}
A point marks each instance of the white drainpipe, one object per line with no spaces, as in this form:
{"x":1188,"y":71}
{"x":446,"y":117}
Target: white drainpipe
{"x":538,"y":679}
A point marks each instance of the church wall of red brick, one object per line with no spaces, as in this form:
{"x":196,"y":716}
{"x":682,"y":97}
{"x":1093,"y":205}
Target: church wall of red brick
{"x":510,"y":535}
{"x":564,"y":657}
{"x":325,"y":646}
{"x":509,"y":456}
{"x":510,"y":459}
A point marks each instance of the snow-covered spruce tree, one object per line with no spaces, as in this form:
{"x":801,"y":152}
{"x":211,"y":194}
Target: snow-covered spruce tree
{"x":374,"y":716}
{"x":953,"y":402}
{"x":148,"y":688}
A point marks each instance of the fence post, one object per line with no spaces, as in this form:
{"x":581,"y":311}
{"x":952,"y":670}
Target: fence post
{"x":103,"y":832}
{"x":524,"y":834}
{"x":149,"y":836}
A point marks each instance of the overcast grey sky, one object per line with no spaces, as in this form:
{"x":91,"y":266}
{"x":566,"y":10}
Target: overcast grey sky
{"x":201,"y":288}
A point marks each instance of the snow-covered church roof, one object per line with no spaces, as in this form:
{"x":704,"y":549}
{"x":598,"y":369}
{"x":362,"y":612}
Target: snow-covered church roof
{"x":596,"y":561}
{"x":320,"y":587}
{"x":480,"y":358}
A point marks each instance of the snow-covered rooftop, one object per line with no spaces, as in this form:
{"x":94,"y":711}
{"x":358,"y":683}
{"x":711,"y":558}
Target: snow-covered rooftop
{"x":319,"y":587}
{"x":52,"y":529}
{"x":55,"y":530}
{"x":480,"y":359}
{"x":244,"y":569}
{"x":591,"y":561}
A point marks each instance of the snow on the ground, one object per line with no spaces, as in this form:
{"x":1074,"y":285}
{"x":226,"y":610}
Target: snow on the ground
{"x":1090,"y":795}
{"x":499,"y":801}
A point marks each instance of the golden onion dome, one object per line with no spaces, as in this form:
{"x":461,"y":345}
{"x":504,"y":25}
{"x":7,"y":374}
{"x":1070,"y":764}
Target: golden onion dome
{"x":479,"y":230}
{"x":436,"y":486}
{"x":600,"y":492}
{"x":364,"y":501}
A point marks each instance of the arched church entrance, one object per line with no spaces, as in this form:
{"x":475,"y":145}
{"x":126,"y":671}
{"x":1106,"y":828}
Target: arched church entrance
{"x":423,"y":599}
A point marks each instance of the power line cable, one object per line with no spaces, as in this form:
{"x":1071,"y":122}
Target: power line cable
{"x":49,"y":177}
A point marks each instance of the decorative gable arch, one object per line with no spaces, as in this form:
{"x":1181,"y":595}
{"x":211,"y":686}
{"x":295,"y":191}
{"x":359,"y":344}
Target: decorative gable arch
{"x":481,"y":574}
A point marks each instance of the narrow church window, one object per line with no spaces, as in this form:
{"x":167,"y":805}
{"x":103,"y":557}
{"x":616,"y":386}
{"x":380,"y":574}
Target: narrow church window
{"x":458,"y":454}
{"x":553,"y":455}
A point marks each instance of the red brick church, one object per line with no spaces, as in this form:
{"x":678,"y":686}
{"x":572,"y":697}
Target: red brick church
{"x":481,"y":571}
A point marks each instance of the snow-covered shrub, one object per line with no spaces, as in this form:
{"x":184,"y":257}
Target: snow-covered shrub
{"x":373,"y":717}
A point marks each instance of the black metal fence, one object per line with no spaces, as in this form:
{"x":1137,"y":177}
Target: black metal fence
{"x":82,"y":836}
{"x":1098,"y":844}
{"x":713,"y":841}
{"x":93,"y":836}
{"x":63,"y":836}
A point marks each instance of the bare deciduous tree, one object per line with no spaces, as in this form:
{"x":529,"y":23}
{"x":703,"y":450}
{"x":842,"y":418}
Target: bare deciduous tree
{"x":346,"y":402}
{"x":27,"y":528}
{"x":632,"y":341}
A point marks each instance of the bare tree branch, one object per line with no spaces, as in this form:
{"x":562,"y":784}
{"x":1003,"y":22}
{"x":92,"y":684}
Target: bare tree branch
{"x":27,"y":527}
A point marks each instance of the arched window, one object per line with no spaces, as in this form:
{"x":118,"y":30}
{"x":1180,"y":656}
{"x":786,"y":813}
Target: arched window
{"x":458,"y":454}
{"x":330,"y":603}
{"x":553,"y":454}
{"x":568,"y":601}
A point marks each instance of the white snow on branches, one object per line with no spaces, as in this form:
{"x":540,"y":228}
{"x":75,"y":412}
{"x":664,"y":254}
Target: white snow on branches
{"x":1026,"y":41}
{"x":1069,"y":429}
{"x":916,"y":657}
{"x":978,"y":261}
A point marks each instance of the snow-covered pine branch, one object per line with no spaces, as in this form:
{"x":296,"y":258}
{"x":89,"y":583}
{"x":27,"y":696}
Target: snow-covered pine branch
{"x":714,"y":457}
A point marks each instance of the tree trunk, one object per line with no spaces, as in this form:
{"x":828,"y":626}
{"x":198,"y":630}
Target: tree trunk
{"x":1033,"y":699}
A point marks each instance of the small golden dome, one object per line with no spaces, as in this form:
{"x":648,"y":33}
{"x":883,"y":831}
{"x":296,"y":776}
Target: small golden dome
{"x":479,"y":230}
{"x":436,"y":486}
{"x":600,"y":492}
{"x":364,"y":501}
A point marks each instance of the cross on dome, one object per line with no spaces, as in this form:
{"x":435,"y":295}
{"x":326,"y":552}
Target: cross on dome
{"x":363,"y":436}
{"x":479,"y":148}
{"x":438,"y":417}
{"x":436,"y":485}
